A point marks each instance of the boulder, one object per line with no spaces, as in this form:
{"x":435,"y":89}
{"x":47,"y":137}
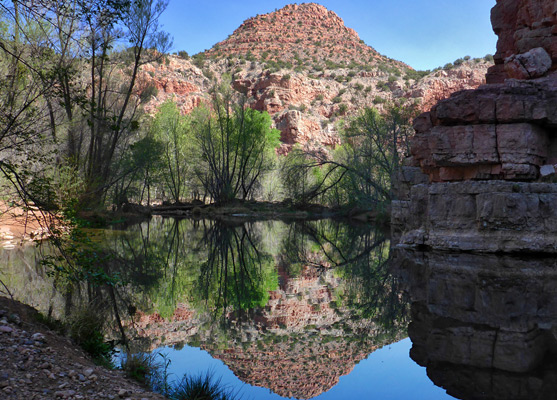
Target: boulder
{"x":532,"y":64}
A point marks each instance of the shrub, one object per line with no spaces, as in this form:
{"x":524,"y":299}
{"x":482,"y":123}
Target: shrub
{"x":147,"y":93}
{"x":183,"y":54}
{"x":337,"y":100}
{"x":140,"y":367}
{"x":86,"y":329}
{"x":382,"y":86}
{"x":202,"y":387}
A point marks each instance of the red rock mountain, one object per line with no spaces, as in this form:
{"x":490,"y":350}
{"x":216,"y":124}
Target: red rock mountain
{"x":296,"y":32}
{"x":308,"y":70}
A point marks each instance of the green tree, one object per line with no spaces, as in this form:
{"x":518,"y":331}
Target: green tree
{"x":359,"y":171}
{"x":112,"y":103}
{"x":235,"y":145}
{"x":174,"y":131}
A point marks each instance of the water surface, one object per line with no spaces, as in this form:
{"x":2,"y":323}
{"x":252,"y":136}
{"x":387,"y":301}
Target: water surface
{"x":316,"y":309}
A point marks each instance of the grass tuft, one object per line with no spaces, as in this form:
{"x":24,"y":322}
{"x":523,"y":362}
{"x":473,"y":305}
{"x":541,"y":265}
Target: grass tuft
{"x":202,"y":387}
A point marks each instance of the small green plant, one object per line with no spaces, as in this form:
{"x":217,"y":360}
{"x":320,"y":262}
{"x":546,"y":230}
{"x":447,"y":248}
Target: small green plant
{"x":202,"y":387}
{"x":140,"y":367}
{"x":86,"y":329}
{"x":149,"y":92}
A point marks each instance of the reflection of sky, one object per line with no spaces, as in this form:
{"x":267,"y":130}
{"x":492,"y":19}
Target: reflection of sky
{"x":387,"y":373}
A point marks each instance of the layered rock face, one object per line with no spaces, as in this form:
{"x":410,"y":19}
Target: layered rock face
{"x":523,"y":25}
{"x":492,"y":139}
{"x":484,"y":326}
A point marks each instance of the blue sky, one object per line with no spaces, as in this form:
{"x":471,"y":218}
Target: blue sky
{"x":422,"y":33}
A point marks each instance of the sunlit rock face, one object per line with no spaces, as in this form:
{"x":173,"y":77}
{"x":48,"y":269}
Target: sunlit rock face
{"x":482,"y":140}
{"x":485,"y":326}
{"x":523,"y":25}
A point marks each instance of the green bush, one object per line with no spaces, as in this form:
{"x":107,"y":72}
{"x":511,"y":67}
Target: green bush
{"x":86,"y":329}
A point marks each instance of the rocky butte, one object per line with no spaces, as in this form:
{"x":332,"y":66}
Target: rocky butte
{"x":308,"y":70}
{"x":483,"y":161}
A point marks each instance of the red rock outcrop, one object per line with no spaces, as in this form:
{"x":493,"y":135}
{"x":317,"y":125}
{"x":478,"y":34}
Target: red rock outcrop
{"x":173,"y":79}
{"x":441,"y":84}
{"x":522,"y":25}
{"x":505,"y":130}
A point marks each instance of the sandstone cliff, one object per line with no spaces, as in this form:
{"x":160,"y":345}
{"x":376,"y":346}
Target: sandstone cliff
{"x":499,"y":136}
{"x":308,"y":70}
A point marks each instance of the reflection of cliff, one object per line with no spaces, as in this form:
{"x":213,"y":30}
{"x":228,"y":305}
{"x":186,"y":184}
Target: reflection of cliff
{"x":298,"y":345}
{"x":484,"y":326}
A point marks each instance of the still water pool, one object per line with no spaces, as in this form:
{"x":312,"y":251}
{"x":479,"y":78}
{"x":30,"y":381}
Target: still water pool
{"x":315,"y":309}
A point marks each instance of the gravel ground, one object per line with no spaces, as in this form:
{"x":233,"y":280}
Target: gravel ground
{"x":36,"y":363}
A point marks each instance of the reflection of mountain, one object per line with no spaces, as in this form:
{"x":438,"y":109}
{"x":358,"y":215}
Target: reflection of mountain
{"x":484,"y":326}
{"x":291,"y":307}
{"x":302,"y":366}
{"x":298,"y":345}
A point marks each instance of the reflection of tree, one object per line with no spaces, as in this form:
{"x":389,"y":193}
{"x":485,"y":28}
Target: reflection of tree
{"x":205,"y":263}
{"x":359,"y":254}
{"x":236,"y":273}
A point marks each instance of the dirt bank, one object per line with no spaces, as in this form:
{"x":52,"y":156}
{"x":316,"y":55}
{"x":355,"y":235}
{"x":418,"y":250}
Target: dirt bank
{"x":36,"y":363}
